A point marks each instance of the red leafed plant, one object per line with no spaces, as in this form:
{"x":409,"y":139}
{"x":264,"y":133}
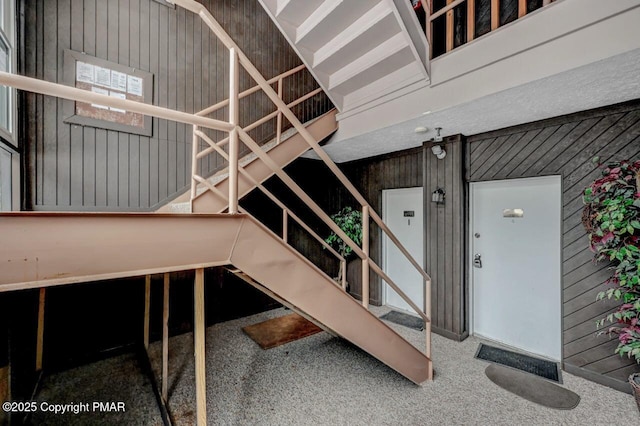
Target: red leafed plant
{"x":612,"y":218}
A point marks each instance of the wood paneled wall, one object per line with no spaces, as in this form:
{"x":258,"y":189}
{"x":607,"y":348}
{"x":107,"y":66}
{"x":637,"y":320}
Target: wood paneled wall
{"x":445,"y":237}
{"x":444,"y":225}
{"x":566,"y":146}
{"x":371,"y":176}
{"x":70,"y":167}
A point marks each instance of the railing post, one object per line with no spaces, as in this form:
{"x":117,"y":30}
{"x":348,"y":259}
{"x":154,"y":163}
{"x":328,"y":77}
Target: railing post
{"x":233,"y":135}
{"x":165,"y":338}
{"x":365,"y":261}
{"x":471,"y":20}
{"x":495,"y":14}
{"x":194,"y":166}
{"x":427,"y":324}
{"x":426,"y":6}
{"x":343,"y":274}
{"x":285,"y":225}
{"x":449,"y":30}
{"x":279,"y":120}
{"x":199,"y":330}
{"x":40,"y":329}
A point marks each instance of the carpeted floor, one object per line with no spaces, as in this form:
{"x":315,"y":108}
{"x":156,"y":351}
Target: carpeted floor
{"x":321,"y":380}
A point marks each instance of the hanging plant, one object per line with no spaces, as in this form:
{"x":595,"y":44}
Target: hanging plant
{"x":612,"y":219}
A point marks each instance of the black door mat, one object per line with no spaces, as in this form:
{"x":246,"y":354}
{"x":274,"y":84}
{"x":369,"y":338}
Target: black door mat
{"x":529,"y":364}
{"x":404,"y":319}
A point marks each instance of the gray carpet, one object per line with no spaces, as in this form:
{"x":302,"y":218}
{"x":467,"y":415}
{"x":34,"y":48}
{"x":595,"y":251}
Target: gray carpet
{"x":321,"y":380}
{"x":532,"y":388}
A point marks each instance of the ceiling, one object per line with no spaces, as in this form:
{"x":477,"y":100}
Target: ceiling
{"x":606,"y":82}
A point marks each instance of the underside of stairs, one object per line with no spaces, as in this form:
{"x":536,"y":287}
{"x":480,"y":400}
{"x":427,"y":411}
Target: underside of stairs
{"x":360,"y":52}
{"x":291,"y":146}
{"x":46,"y":249}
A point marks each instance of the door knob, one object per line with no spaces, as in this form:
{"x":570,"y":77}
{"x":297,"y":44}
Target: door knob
{"x":477,"y":261}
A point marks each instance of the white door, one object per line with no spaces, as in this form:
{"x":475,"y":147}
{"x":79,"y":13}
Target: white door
{"x":403,"y":213}
{"x":515,"y":231}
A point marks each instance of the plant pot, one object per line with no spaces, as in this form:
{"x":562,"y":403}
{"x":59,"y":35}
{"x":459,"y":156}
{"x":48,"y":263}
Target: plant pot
{"x":634,"y":380}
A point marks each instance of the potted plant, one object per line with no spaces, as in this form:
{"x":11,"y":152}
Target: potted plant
{"x":612,"y":219}
{"x":350,"y":221}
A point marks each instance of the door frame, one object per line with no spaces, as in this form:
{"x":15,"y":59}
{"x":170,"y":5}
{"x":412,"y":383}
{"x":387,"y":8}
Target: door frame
{"x":385,"y":286}
{"x":469,"y":260}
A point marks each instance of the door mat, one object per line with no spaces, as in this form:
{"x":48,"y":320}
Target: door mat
{"x":528,"y":364}
{"x":532,"y":388}
{"x":404,"y":319}
{"x":278,"y":331}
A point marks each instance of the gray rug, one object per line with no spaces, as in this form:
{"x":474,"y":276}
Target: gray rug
{"x":532,"y":388}
{"x":404,"y":319}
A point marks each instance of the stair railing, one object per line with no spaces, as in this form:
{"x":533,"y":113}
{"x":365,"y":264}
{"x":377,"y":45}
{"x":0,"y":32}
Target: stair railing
{"x":237,"y":134}
{"x":197,"y":154}
{"x":286,"y":211}
{"x":449,"y":23}
{"x":237,"y":57}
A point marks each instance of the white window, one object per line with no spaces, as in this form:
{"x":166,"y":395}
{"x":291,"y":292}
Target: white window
{"x":9,"y":159}
{"x":7,"y":64}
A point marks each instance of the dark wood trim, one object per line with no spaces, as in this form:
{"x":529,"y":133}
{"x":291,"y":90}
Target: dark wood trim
{"x":458,"y":337}
{"x":598,"y":378}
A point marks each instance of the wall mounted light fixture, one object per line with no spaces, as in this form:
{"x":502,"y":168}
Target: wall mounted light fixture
{"x":439,"y":152}
{"x":438,"y":196}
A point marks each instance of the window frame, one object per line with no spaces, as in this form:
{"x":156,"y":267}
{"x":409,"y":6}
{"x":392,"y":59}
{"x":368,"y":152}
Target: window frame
{"x":9,"y":137}
{"x":8,"y":37}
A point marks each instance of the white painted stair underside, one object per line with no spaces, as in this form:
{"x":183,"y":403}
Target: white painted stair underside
{"x":360,"y":51}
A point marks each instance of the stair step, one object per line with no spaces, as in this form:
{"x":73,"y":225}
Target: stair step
{"x":180,"y":207}
{"x":295,"y":12}
{"x":387,"y":54}
{"x":318,"y":15}
{"x":371,"y":29}
{"x":329,"y":20}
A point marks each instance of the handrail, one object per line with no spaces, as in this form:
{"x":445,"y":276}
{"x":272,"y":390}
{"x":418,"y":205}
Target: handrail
{"x":261,"y":121}
{"x":251,"y":90}
{"x":215,"y":27}
{"x":447,"y":10}
{"x":75,"y":94}
{"x":270,"y":195}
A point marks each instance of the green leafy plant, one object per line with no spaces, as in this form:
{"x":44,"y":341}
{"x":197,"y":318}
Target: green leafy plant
{"x":612,"y":219}
{"x":350,"y":221}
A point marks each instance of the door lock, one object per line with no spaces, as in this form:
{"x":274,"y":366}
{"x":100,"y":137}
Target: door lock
{"x":477,"y":261}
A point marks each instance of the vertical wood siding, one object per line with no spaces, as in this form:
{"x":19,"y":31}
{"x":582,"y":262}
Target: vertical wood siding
{"x":566,"y":146}
{"x":445,"y":237}
{"x":70,"y":167}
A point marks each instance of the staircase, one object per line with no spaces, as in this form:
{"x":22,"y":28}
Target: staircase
{"x":361,"y":52}
{"x":283,"y":153}
{"x":49,"y":249}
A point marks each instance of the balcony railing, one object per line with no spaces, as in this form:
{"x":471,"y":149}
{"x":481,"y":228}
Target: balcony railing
{"x":449,"y":24}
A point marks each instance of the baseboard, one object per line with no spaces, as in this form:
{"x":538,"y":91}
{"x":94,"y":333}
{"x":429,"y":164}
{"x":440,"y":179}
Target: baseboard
{"x":449,"y":334}
{"x":616,"y":384}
